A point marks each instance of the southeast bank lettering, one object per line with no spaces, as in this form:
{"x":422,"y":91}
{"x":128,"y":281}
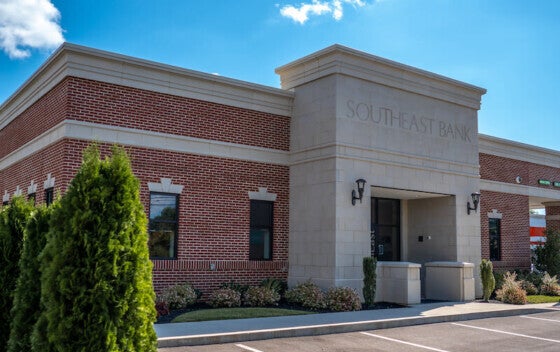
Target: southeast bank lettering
{"x":408,"y":121}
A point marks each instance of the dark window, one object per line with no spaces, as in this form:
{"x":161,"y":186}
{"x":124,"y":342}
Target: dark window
{"x":31,"y":196}
{"x":163,"y":225}
{"x":495,"y":232}
{"x":5,"y":203}
{"x":260,"y":235}
{"x":49,"y":196}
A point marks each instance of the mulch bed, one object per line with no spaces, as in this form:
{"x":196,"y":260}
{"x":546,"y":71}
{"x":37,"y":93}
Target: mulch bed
{"x":175,"y":313}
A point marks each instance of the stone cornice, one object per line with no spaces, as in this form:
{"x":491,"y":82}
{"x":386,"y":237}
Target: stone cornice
{"x":542,"y":193}
{"x":518,"y":151}
{"x":338,"y":59}
{"x":83,"y":62}
{"x":70,"y":129}
{"x":385,"y":157}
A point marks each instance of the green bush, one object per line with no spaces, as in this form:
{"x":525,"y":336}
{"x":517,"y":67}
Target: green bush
{"x":225,"y":298}
{"x":241,"y":288}
{"x":548,"y":255}
{"x":278,"y":285}
{"x":96,"y":284}
{"x":529,"y":287}
{"x":307,"y":295}
{"x":13,"y":219}
{"x":260,"y":296}
{"x":178,"y":296}
{"x":533,"y":277}
{"x":26,"y":310}
{"x":488,"y":280}
{"x":499,"y":279}
{"x":369,"y":266}
{"x":511,"y":291}
{"x":342,"y":299}
{"x":550,"y":286}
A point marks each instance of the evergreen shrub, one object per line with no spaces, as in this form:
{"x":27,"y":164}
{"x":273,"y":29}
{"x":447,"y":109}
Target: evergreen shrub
{"x":487,"y":277}
{"x":369,"y":266}
{"x":260,"y":296}
{"x":529,"y":287}
{"x":178,"y":296}
{"x":96,"y":284}
{"x":13,"y":219}
{"x":307,"y":295}
{"x":241,"y":288}
{"x":548,"y":255}
{"x":26,"y":309}
{"x":342,"y":299}
{"x":225,"y":298}
{"x":278,"y":285}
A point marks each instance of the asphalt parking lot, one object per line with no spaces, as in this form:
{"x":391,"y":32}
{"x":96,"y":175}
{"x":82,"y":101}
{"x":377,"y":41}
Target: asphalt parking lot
{"x":534,"y":332}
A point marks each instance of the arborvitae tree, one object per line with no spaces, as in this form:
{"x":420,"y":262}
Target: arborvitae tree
{"x":487,"y":277}
{"x":13,"y":219}
{"x":97,"y":284}
{"x":369,"y":267}
{"x":25,"y":311}
{"x":548,"y":255}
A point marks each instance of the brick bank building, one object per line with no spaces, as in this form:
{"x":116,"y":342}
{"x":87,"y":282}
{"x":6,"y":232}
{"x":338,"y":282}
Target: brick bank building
{"x":243,"y":182}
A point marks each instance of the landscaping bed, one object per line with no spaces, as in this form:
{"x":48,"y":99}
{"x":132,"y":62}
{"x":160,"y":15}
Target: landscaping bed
{"x":204,"y":312}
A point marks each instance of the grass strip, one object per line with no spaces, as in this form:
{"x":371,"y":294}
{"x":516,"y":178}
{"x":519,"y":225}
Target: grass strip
{"x":542,"y":299}
{"x":235,"y":313}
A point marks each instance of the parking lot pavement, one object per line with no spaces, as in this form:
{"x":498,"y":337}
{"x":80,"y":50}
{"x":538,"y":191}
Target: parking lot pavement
{"x":535,"y":332}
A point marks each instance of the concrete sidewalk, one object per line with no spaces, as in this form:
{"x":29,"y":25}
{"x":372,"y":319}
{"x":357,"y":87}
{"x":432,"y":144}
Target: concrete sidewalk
{"x":227,"y":331}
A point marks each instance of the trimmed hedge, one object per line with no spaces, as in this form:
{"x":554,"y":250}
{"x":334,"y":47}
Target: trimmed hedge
{"x":307,"y":295}
{"x":342,"y":299}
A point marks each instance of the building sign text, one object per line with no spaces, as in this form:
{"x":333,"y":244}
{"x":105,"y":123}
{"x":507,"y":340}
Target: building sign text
{"x":408,"y":121}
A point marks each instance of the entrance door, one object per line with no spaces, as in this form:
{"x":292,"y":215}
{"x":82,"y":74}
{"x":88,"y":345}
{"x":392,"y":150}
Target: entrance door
{"x":386,"y":229}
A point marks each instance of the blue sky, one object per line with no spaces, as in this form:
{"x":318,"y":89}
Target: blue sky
{"x":511,"y":48}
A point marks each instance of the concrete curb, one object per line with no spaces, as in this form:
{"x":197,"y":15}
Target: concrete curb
{"x":336,"y":328}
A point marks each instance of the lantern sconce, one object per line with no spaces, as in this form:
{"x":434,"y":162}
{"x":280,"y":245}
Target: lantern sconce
{"x":475,"y":199}
{"x":361,"y":183}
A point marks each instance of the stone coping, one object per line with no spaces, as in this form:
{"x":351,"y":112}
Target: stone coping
{"x":400,"y":264}
{"x":451,"y":264}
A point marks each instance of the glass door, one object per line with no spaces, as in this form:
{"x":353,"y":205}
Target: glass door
{"x":386,"y":229}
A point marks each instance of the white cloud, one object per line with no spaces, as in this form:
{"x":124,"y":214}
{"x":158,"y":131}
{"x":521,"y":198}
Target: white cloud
{"x":28,"y":24}
{"x":316,"y":7}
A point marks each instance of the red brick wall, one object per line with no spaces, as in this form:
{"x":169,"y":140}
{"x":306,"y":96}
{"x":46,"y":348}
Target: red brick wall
{"x":213,"y":208}
{"x":44,"y":114}
{"x":116,"y":105}
{"x":214,"y":205}
{"x":515,"y":241}
{"x":515,"y":237}
{"x":53,"y":159}
{"x":502,"y":169}
{"x":553,"y":214}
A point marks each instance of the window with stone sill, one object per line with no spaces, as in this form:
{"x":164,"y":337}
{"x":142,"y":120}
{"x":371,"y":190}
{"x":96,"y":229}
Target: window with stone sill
{"x":49,"y":196}
{"x":163,"y":221}
{"x":260,"y":234}
{"x":495,"y":234}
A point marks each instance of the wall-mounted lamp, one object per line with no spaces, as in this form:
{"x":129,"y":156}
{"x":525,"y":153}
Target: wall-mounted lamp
{"x":361,"y":183}
{"x":475,"y":199}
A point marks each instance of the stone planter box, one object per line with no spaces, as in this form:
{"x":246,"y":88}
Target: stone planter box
{"x":450,"y":281}
{"x":398,"y":282}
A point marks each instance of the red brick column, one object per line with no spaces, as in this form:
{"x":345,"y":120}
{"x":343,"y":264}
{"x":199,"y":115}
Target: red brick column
{"x":552,"y":215}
